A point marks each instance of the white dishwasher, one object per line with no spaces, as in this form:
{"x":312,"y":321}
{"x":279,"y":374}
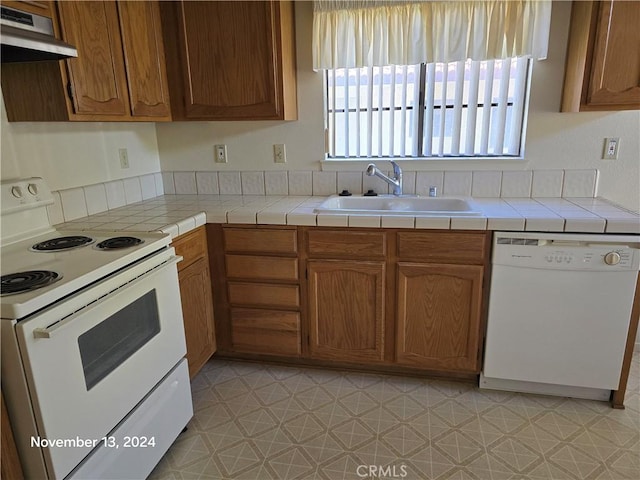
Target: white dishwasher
{"x":559,"y":312}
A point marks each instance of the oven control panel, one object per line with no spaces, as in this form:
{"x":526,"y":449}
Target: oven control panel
{"x":24,"y":193}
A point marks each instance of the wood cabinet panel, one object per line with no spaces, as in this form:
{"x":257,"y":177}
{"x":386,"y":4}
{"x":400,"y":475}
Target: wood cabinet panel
{"x":261,"y":267}
{"x":438,"y":316}
{"x":603,"y":57}
{"x":232,"y":59}
{"x":443,"y":247}
{"x":346,"y":310}
{"x":97,"y":76}
{"x":141,"y":32}
{"x":262,"y":240}
{"x":119,"y":74}
{"x":272,"y":332}
{"x":264,"y":295}
{"x":191,"y":246}
{"x":336,"y":243}
{"x":615,"y":75}
{"x":197,"y":312}
{"x":197,"y":297}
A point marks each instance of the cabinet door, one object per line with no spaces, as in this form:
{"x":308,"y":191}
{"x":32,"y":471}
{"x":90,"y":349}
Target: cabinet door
{"x":229,"y":59}
{"x":97,"y":76}
{"x":615,"y":73}
{"x":144,"y":54}
{"x":197,"y":311}
{"x":346,"y":310}
{"x":438,"y":316}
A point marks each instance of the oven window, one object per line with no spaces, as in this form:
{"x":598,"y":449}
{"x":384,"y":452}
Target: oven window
{"x":111,"y":342}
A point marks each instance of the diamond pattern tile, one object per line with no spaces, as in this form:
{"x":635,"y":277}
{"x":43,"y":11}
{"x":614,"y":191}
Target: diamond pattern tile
{"x":255,"y":421}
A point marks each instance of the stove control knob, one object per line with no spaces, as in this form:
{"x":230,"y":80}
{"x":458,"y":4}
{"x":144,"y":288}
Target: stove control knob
{"x":16,"y":192}
{"x":612,"y":258}
{"x":33,"y":189}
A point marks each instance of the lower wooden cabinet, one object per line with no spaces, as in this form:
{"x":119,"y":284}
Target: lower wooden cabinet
{"x":275,"y":332}
{"x":438,"y":316}
{"x":261,"y":312}
{"x":197,"y":299}
{"x":391,"y":299}
{"x":346,"y":310}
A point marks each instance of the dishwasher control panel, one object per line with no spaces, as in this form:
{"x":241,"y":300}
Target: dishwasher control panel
{"x":564,"y":255}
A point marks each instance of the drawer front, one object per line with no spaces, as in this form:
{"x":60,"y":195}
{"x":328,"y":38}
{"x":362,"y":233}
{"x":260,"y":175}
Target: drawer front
{"x":191,"y":246}
{"x":447,"y":247}
{"x":262,"y":240}
{"x":264,"y":295}
{"x":272,"y":332}
{"x":261,"y":268}
{"x":338,"y":243}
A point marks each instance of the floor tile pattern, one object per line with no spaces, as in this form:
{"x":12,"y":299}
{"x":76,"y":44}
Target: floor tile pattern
{"x":260,"y":422}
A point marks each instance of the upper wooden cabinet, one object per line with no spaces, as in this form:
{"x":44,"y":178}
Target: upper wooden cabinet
{"x":231,"y":60}
{"x":119,"y":74}
{"x":603,"y":57}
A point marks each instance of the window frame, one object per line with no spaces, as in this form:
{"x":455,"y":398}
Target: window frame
{"x":416,"y":160}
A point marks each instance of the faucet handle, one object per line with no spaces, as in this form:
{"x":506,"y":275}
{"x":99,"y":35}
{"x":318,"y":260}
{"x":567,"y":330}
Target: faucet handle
{"x":397,"y":171}
{"x":433,"y":191}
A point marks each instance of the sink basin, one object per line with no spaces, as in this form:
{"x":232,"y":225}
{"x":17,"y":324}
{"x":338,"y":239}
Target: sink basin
{"x":391,"y":205}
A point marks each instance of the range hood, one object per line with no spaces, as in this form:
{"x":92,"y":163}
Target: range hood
{"x":27,"y":37}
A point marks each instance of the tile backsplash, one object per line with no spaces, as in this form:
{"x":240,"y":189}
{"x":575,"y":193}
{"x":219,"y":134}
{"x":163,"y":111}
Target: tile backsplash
{"x":490,"y":184}
{"x":74,"y":203}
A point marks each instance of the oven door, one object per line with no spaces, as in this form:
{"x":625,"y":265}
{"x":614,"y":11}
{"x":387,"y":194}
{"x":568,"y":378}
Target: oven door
{"x":93,"y":356}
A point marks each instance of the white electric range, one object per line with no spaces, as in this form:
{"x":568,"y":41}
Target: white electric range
{"x":93,"y":368}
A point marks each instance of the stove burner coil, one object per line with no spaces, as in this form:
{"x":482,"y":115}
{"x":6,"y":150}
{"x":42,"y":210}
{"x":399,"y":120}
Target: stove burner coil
{"x":62,"y":243}
{"x":119,"y":242}
{"x":25,"y":281}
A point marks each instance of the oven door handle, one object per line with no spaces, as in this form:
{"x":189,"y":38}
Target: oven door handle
{"x":48,"y":332}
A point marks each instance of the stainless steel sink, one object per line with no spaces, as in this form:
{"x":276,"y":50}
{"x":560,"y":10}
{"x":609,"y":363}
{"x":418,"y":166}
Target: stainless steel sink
{"x":392,"y":205}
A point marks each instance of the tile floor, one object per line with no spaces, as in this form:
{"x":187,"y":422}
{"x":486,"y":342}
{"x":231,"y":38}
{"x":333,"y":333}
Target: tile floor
{"x":261,"y":422}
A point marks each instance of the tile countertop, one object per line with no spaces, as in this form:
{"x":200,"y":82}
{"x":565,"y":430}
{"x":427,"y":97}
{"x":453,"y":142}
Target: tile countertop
{"x":178,"y":214}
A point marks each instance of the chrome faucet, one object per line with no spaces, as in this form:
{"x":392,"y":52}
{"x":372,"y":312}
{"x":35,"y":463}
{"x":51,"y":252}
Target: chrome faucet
{"x":396,"y":181}
{"x":433,"y":191}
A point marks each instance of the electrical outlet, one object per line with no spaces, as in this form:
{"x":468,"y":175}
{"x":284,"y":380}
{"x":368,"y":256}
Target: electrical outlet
{"x":611,"y":147}
{"x":124,"y":157}
{"x":279,"y":153}
{"x":220,"y":153}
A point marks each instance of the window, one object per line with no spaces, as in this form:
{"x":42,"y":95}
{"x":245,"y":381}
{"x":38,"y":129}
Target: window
{"x":458,"y":109}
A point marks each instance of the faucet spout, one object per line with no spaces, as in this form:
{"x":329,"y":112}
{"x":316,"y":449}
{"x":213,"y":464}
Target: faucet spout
{"x":396,"y":181}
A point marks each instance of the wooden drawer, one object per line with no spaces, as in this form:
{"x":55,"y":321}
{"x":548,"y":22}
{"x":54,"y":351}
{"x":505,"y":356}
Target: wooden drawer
{"x":447,"y":247}
{"x":264,"y":295}
{"x":261,"y":267}
{"x":348,"y":244}
{"x":272,"y":332}
{"x":191,"y":246}
{"x":260,"y":240}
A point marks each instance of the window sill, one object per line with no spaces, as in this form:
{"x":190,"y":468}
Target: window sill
{"x":421,"y":164}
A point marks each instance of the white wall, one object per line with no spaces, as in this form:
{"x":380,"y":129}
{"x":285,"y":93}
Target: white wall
{"x":70,"y":155}
{"x":554,"y":140}
{"x":74,"y":154}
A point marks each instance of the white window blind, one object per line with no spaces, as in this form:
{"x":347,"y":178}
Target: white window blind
{"x":457,"y":109}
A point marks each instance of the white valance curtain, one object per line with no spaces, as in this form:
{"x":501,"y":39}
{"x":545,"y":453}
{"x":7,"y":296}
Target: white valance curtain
{"x":360,"y":33}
